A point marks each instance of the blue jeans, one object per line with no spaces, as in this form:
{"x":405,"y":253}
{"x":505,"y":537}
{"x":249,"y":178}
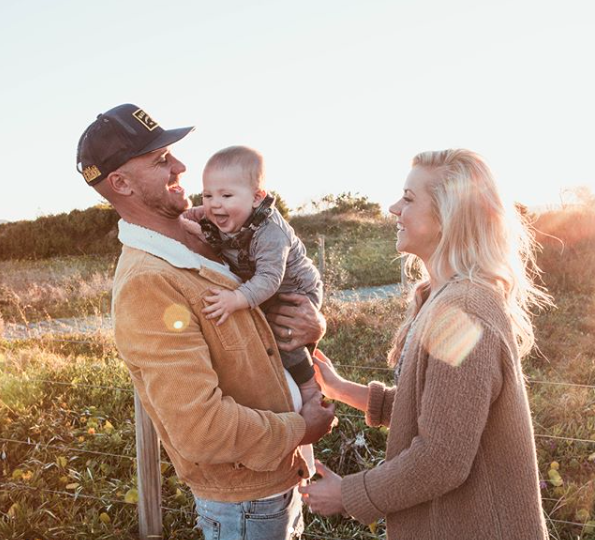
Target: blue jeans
{"x":278,"y":518}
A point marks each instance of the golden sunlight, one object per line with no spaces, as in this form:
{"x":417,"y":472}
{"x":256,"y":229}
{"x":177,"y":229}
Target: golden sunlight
{"x":176,"y":317}
{"x":453,"y":336}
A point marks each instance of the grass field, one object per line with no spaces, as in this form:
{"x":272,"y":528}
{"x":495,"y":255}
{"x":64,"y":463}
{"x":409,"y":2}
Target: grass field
{"x":68,"y":399}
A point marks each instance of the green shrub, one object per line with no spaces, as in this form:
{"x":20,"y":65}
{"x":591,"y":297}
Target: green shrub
{"x":91,"y":231}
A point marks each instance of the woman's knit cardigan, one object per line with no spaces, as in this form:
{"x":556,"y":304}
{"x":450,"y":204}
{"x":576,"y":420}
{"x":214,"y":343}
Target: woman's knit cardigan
{"x":460,"y":459}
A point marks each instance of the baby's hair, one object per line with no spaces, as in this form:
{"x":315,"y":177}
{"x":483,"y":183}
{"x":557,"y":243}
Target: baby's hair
{"x":248,"y":159}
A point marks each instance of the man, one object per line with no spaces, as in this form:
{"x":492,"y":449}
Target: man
{"x":219,"y":398}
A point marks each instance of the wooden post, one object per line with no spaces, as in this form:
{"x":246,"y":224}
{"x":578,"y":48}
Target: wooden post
{"x":321,"y":255}
{"x":149,"y":475}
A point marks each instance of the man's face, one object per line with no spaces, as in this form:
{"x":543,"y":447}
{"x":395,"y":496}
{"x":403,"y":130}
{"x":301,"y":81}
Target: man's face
{"x":155,"y":182}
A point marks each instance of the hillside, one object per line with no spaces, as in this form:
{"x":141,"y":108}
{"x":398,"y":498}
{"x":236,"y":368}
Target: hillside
{"x":356,"y":238}
{"x":94,"y":231}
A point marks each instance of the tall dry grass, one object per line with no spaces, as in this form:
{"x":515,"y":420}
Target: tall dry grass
{"x":54,"y":288}
{"x":568,"y":240}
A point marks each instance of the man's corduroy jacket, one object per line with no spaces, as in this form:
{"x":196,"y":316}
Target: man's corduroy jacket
{"x":217,"y":395}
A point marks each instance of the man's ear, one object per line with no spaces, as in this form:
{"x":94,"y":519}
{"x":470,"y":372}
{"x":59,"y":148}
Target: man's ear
{"x":120,"y":183}
{"x":259,"y":196}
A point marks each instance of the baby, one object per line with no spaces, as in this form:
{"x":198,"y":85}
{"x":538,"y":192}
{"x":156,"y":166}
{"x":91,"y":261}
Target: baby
{"x":242,"y":224}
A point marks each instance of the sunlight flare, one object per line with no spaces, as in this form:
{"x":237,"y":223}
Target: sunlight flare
{"x":176,"y":318}
{"x":453,"y":336}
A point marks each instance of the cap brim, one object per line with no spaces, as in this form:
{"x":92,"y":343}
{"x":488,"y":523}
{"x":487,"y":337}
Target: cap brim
{"x":168,"y":137}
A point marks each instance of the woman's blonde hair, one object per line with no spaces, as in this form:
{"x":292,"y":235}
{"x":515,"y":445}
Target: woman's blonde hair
{"x":480,"y":241}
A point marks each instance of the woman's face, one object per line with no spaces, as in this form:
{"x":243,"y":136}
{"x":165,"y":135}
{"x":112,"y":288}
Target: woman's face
{"x":418,"y":228}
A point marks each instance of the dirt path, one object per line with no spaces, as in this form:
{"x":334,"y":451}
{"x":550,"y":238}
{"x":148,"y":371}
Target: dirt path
{"x":368,"y":293}
{"x":89,"y":325}
{"x":86,"y":325}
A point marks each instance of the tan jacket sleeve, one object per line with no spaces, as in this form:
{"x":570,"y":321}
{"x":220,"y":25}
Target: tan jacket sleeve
{"x":455,"y":405}
{"x":159,"y":336}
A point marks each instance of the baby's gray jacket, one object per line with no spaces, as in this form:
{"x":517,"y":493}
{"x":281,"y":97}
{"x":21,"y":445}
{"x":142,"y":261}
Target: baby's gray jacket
{"x":281,"y":264}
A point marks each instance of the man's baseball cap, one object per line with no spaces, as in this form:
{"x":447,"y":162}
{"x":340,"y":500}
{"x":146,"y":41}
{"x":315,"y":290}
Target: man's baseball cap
{"x":117,"y":136}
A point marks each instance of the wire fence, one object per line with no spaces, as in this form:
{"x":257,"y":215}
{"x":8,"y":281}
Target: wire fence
{"x":340,"y":366}
{"x":42,"y":445}
{"x":38,"y":445}
{"x":337,"y":365}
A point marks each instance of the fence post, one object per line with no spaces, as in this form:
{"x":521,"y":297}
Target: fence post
{"x":149,"y":475}
{"x":321,"y":255}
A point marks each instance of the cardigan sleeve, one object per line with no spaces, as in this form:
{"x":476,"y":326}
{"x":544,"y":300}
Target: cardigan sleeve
{"x":461,"y":381}
{"x":380,"y":404}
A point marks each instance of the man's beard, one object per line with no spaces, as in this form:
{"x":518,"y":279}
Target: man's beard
{"x":165,"y":206}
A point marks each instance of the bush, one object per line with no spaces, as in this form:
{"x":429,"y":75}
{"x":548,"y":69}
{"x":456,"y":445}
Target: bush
{"x":80,"y":232}
{"x":344,"y":203}
{"x":94,"y":231}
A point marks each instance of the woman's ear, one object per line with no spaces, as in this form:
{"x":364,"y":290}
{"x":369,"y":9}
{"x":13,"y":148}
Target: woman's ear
{"x":259,"y":196}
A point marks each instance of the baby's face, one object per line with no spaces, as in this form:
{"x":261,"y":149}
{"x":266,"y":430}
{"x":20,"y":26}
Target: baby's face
{"x":228,"y":197}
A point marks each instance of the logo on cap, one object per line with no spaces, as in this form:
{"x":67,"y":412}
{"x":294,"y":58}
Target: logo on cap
{"x":145,"y":119}
{"x":90,"y":173}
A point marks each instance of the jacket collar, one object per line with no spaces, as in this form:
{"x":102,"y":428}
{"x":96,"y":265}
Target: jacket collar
{"x":168,"y":249}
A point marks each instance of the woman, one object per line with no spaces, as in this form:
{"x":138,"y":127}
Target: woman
{"x":460,"y":458}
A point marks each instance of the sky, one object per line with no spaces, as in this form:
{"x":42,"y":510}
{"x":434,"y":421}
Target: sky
{"x":338,"y":95}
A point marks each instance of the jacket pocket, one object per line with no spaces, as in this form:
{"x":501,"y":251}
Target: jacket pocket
{"x":236,"y":332}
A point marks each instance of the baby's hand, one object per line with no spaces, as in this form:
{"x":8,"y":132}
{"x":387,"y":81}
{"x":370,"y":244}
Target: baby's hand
{"x":190,"y":219}
{"x":196,"y":213}
{"x":223,"y":303}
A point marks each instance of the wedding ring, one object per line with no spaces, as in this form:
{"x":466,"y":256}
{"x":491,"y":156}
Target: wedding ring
{"x":289,"y":332}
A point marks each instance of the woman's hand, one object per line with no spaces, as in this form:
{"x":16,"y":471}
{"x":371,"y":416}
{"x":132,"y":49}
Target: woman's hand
{"x":328,"y":379}
{"x":335,"y":387}
{"x":324,"y":495}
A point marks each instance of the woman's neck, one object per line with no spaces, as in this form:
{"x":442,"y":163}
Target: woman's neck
{"x":437,"y":282}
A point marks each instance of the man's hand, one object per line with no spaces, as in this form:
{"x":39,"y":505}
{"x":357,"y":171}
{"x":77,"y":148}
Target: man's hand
{"x":295,"y":321}
{"x":320,"y":419}
{"x":223,"y":303}
{"x":309,"y":389}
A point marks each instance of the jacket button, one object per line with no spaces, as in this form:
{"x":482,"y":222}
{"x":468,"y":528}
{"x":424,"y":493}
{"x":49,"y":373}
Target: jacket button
{"x":270,"y":351}
{"x":300,"y":473}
